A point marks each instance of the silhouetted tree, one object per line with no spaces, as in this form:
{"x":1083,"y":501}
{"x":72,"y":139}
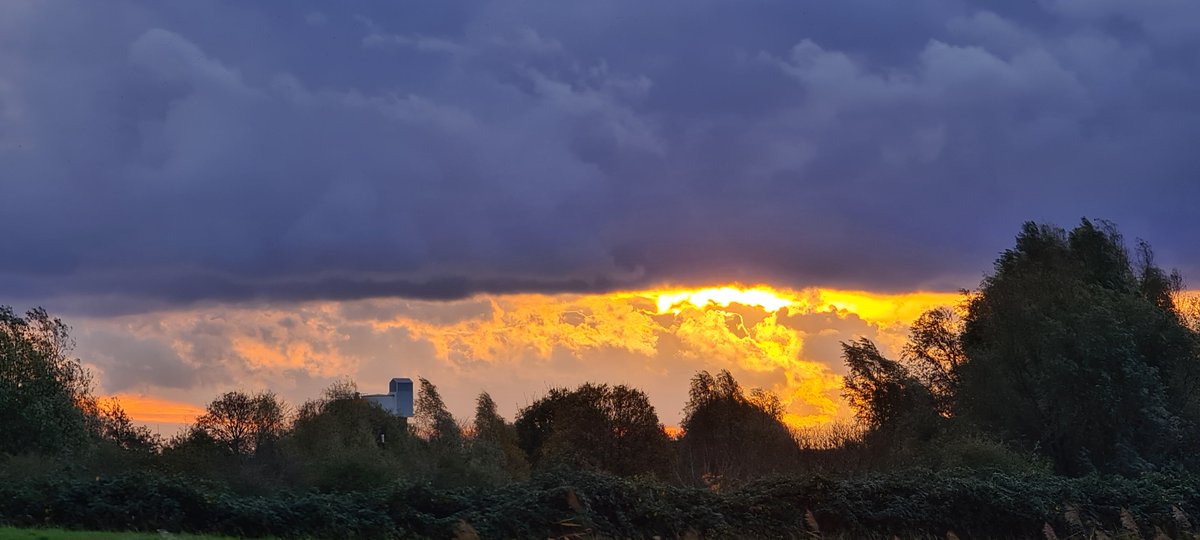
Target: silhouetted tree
{"x":433,"y":421}
{"x":884,"y":394}
{"x":1072,"y":354}
{"x":243,"y":423}
{"x":495,"y":452}
{"x":729,"y":437}
{"x":109,"y":421}
{"x":443,"y":438}
{"x":610,"y":428}
{"x":934,"y":354}
{"x":1171,"y":344}
{"x":194,"y":452}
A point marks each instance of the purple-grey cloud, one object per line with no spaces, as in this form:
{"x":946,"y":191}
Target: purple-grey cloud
{"x":156,"y":154}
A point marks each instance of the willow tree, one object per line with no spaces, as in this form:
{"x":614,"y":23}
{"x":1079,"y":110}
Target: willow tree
{"x":1073,"y":351}
{"x":888,"y":399}
{"x":729,"y":435}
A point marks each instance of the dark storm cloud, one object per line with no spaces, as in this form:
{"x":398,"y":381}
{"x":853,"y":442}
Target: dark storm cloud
{"x":169,"y":152}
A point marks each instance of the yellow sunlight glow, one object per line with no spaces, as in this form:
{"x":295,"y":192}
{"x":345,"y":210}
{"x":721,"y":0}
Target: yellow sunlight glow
{"x":763,"y":339}
{"x":763,"y":297}
{"x":881,"y":308}
{"x":903,"y":307}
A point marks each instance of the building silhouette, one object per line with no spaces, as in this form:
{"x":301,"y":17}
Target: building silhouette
{"x":398,"y":400}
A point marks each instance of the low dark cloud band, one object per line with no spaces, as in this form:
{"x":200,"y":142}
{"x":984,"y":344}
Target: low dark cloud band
{"x":168,"y":153}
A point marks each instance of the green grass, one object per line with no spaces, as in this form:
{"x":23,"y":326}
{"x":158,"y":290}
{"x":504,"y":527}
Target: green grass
{"x":11,"y":533}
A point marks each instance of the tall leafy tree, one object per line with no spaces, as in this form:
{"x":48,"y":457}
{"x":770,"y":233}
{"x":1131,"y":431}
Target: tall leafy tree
{"x":885,"y":395}
{"x":243,"y":423}
{"x":495,"y":451}
{"x":730,"y":436}
{"x":341,"y":419}
{"x":433,"y":420}
{"x":344,"y":442}
{"x":47,"y":403}
{"x":610,"y":428}
{"x":934,"y":355}
{"x":1170,"y":341}
{"x":41,"y":385}
{"x":1074,"y":354}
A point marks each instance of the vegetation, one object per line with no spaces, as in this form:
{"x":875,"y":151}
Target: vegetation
{"x":559,"y":502}
{"x":612,"y":429}
{"x":1060,"y":399}
{"x":719,"y":421}
{"x":13,"y":533}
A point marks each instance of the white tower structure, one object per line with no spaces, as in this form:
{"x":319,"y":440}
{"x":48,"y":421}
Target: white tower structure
{"x":398,"y":400}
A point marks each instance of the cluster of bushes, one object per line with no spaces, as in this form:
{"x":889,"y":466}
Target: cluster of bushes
{"x":556,"y":503}
{"x":1064,"y":394}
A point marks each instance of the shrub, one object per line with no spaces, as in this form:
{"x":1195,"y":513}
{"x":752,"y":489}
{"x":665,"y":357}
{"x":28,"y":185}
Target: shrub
{"x":973,"y":503}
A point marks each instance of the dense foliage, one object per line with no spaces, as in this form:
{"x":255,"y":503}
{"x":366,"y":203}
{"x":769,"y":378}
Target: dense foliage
{"x":718,"y":421}
{"x":46,"y":400}
{"x":560,"y":503}
{"x":610,"y":428}
{"x":1062,"y":395}
{"x":1075,"y":351}
{"x":1072,"y":349}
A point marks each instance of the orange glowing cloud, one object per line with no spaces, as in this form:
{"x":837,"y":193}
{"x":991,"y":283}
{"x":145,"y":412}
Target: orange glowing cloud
{"x":294,"y":355}
{"x":154,"y":410}
{"x":702,"y":325}
{"x":537,"y":324}
{"x":783,"y":340}
{"x":779,"y":339}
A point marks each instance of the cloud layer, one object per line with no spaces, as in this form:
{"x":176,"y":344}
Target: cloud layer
{"x":513,"y":346}
{"x":160,"y":153}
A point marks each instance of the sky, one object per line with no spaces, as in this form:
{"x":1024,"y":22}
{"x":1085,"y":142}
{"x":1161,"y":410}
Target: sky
{"x":497,"y":194}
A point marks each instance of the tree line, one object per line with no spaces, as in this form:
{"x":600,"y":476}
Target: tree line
{"x":1074,"y":357}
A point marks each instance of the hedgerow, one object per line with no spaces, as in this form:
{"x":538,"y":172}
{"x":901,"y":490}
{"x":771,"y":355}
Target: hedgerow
{"x":972,"y":503}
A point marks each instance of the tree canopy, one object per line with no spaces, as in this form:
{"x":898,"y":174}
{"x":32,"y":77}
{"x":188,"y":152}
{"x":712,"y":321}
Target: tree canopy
{"x":1074,"y":351}
{"x":1070,"y":348}
{"x":611,"y":428}
{"x":885,"y":394}
{"x":720,"y":421}
{"x":47,"y":400}
{"x":243,"y":423}
{"x":41,"y":385}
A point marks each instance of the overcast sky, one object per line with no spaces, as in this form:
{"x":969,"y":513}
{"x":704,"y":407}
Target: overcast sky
{"x":160,"y":153}
{"x":238,"y":194}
